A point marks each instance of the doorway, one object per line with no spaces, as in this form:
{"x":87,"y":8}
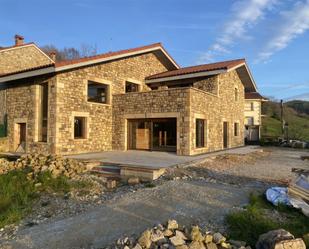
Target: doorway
{"x":21,"y":135}
{"x":225,"y":135}
{"x":152,"y":134}
{"x":164,"y":134}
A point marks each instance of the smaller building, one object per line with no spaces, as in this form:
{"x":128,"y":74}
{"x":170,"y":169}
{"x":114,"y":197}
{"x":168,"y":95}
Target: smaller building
{"x":253,"y":116}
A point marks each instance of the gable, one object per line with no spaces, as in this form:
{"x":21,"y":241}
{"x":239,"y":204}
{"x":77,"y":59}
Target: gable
{"x":22,"y":58}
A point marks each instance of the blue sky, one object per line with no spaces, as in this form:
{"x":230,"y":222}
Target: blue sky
{"x":272,"y":35}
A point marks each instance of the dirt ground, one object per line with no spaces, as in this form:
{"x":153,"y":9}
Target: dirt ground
{"x":199,"y":193}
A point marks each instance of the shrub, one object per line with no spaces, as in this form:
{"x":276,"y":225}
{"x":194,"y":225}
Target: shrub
{"x":260,"y":217}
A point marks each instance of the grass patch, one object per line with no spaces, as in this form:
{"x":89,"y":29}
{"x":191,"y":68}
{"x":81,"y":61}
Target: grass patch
{"x":260,"y":217}
{"x":16,"y":196}
{"x":59,"y":184}
{"x":18,"y":192}
{"x":149,"y":185}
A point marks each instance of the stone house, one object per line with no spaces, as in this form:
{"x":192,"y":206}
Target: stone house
{"x":131,"y":99}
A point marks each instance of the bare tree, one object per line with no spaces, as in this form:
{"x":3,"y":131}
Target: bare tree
{"x":70,"y":53}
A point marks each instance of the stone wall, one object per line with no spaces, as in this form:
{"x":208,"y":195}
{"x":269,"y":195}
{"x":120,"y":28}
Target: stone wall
{"x":187,"y":104}
{"x":170,"y":103}
{"x":4,"y":145}
{"x":23,"y":106}
{"x":71,"y":92}
{"x":2,"y":105}
{"x":217,"y":109}
{"x":208,"y":84}
{"x":21,"y":58}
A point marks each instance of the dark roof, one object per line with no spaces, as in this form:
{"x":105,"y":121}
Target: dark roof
{"x":224,"y":65}
{"x":253,"y":95}
{"x":110,"y":54}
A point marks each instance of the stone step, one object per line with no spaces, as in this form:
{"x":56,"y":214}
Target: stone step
{"x":109,"y":170}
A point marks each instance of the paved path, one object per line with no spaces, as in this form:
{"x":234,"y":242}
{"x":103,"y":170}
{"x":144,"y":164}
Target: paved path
{"x":187,"y":201}
{"x":155,"y":158}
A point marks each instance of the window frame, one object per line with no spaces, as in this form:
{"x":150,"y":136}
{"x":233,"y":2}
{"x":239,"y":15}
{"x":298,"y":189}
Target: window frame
{"x":236,"y":94}
{"x":251,"y":106}
{"x":98,"y":81}
{"x":133,"y":81}
{"x":138,"y":86}
{"x":249,"y":117}
{"x":84,"y":127}
{"x":203,"y":142}
{"x":236,"y":129}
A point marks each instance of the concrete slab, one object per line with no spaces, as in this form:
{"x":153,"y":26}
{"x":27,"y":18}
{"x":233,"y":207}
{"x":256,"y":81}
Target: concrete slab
{"x":155,"y":159}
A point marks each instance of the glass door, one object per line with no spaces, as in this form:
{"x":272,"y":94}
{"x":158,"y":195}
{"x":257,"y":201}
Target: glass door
{"x":164,"y":134}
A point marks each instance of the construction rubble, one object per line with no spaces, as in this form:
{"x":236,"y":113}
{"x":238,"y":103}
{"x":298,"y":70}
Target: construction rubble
{"x":38,"y":163}
{"x":173,"y":235}
{"x":176,"y":236}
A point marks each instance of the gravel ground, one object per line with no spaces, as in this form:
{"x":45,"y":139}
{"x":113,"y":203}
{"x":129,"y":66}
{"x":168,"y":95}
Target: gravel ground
{"x":273,"y":164}
{"x":187,"y":201}
{"x":200,"y":193}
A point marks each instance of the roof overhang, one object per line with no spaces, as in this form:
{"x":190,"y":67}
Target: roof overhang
{"x":28,"y":74}
{"x":255,"y":99}
{"x":53,"y":69}
{"x":245,"y":76}
{"x":242,"y":69}
{"x":115,"y":57}
{"x":185,"y":76}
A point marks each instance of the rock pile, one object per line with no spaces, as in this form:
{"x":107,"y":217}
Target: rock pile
{"x":178,"y":237}
{"x":57,"y":165}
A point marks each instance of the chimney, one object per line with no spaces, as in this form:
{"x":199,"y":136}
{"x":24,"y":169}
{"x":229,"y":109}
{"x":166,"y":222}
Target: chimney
{"x":52,"y":55}
{"x":19,"y":40}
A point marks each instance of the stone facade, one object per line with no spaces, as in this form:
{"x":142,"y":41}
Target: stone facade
{"x":216,"y":109}
{"x":170,"y":103}
{"x":2,"y":105}
{"x":187,"y":105}
{"x":211,"y":98}
{"x":22,"y":58}
{"x":23,"y":106}
{"x":71,"y":91}
{"x":4,"y":145}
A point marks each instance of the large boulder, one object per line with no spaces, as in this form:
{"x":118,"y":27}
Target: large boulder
{"x":291,"y":244}
{"x":269,"y":240}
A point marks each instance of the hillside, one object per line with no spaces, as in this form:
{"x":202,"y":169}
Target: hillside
{"x":296,"y":113}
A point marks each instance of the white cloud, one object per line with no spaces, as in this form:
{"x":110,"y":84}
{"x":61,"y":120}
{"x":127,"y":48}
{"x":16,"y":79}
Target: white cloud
{"x":245,"y":14}
{"x":294,"y":24}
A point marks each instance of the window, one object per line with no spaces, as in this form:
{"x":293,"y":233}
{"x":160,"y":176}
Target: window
{"x":79,"y":127}
{"x":252,"y":106}
{"x":98,"y":92}
{"x":200,"y":133}
{"x":131,"y":87}
{"x":43,"y":112}
{"x":236,"y":129}
{"x":236,"y":94}
{"x":249,"y":121}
